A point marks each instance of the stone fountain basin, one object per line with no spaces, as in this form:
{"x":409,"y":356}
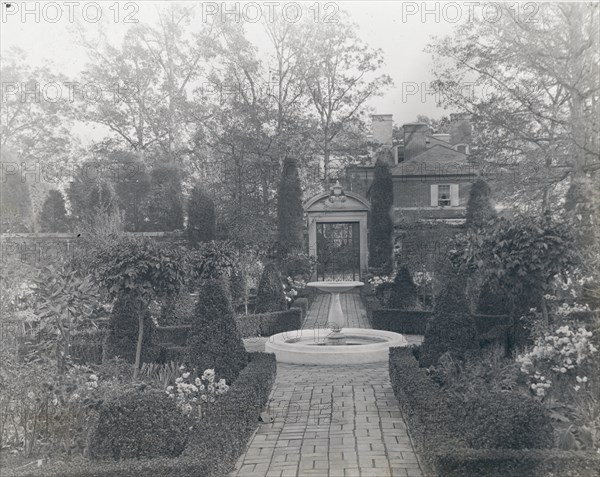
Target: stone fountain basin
{"x":364,"y":345}
{"x":334,"y":287}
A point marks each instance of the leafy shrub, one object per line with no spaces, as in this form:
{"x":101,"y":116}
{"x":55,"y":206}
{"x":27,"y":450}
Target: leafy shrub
{"x":413,"y":322}
{"x":138,"y":422}
{"x":123,"y":330}
{"x":451,"y":328}
{"x":404,"y":292}
{"x":270,"y":295}
{"x":164,"y":207}
{"x":494,"y":420}
{"x":214,"y":341}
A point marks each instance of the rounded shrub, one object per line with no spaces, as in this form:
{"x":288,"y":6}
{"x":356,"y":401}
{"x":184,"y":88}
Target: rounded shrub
{"x":123,"y":330}
{"x":403,"y":292}
{"x":270,"y":295}
{"x":214,"y":341}
{"x":494,"y":420}
{"x":451,"y":328}
{"x":138,"y":422}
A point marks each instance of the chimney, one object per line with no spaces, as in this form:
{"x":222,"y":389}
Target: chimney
{"x":460,"y":128}
{"x":382,"y":125}
{"x":416,"y":139}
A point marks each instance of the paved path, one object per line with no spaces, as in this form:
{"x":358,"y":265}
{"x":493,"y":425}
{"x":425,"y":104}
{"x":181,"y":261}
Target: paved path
{"x":331,"y":421}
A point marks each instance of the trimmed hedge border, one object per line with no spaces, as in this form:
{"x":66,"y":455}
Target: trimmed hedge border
{"x":301,"y":303}
{"x":444,"y":454}
{"x":410,"y":322}
{"x":267,"y":324}
{"x":214,"y":446}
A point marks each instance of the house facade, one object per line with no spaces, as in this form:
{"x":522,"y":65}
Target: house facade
{"x":431,"y":173}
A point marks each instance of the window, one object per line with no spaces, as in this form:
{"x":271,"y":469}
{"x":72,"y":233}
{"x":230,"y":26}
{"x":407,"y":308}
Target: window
{"x":444,"y":195}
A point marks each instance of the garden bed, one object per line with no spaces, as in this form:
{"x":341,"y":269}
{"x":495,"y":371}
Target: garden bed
{"x":444,"y":451}
{"x":213,"y":448}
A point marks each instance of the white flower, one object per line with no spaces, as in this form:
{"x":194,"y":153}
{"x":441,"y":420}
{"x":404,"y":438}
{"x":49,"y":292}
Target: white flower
{"x":198,"y":381}
{"x":169,"y":388}
{"x":31,"y":395}
{"x":179,"y":380}
{"x":576,"y":388}
{"x":93,"y":377}
{"x":186,"y":375}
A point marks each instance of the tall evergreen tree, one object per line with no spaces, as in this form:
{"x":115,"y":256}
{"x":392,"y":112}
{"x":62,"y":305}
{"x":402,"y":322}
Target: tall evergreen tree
{"x":201,"y":225}
{"x":53,"y":217}
{"x":290,"y":213}
{"x":164,"y":209}
{"x":15,"y":198}
{"x":480,"y":208}
{"x":270,"y":295}
{"x":380,"y":223}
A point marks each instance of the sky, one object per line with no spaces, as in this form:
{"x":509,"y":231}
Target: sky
{"x":401,"y":31}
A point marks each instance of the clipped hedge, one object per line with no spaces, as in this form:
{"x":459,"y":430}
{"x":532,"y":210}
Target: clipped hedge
{"x":138,"y":422}
{"x":301,"y":303}
{"x":213,"y":447}
{"x":267,"y":324}
{"x":410,"y":322}
{"x":443,"y":447}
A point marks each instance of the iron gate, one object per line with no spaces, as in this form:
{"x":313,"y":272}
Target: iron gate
{"x":338,"y":251}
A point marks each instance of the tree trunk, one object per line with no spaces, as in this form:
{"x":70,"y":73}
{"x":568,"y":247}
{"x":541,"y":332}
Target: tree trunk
{"x":138,"y":351}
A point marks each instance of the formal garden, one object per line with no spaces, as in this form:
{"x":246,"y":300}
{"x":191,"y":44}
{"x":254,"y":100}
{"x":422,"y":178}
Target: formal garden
{"x":146,"y":275}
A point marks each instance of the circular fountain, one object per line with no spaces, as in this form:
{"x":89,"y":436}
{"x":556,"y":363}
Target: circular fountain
{"x":334,"y":344}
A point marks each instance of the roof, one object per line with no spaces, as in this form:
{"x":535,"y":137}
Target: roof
{"x":436,"y":160}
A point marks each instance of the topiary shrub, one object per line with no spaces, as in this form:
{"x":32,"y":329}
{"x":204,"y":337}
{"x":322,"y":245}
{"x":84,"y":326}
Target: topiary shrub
{"x":177,"y":309}
{"x":502,"y":420}
{"x":451,"y":328}
{"x":270,"y":295}
{"x":404,"y":292}
{"x":123,"y":330}
{"x":138,"y":422}
{"x":214,"y":341}
{"x":480,"y":208}
{"x":492,"y":300}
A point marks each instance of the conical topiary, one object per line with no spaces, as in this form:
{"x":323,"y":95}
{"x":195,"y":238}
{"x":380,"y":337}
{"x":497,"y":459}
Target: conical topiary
{"x":404,"y":292}
{"x":53,"y":217}
{"x":493,"y":300}
{"x":451,"y":328}
{"x":479,"y":207}
{"x":270,"y":295}
{"x":214,"y":341}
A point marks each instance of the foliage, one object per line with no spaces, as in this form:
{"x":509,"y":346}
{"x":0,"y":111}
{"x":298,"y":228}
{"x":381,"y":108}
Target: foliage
{"x":164,"y":206}
{"x":214,"y":341}
{"x":299,"y":266}
{"x":15,"y":198}
{"x":479,"y":207}
{"x":270,"y":295}
{"x":64,"y":304}
{"x":523,"y":253}
{"x":268,"y":324}
{"x":451,"y":328}
{"x":201,"y":225}
{"x":493,"y":300}
{"x":177,"y":309}
{"x":404,"y":292}
{"x":138,"y":422}
{"x":290,"y":213}
{"x":380,"y":221}
{"x":529,"y":113}
{"x":123,"y":331}
{"x":53,"y":217}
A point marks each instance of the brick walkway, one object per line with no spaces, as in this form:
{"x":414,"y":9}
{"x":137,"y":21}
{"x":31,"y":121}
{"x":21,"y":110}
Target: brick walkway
{"x":331,"y":421}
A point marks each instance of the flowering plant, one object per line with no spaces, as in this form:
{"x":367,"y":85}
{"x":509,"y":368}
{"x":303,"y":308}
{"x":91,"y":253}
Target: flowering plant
{"x":560,"y":353}
{"x":291,"y":287}
{"x":379,"y":280}
{"x":196,"y":394}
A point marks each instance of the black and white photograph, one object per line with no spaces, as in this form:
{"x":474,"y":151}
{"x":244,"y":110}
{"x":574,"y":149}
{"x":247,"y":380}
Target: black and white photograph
{"x":299,"y":239}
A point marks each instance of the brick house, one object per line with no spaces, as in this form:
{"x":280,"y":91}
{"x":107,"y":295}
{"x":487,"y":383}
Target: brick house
{"x":431,"y":173}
